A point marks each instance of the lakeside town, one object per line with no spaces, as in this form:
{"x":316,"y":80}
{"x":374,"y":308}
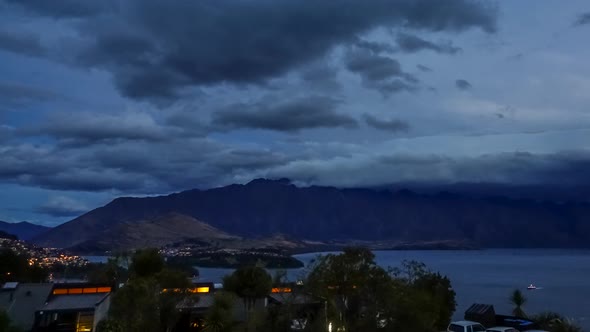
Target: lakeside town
{"x":341,"y":292}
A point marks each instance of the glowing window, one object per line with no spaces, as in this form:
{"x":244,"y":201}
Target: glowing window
{"x":60,"y":291}
{"x":281,"y":290}
{"x":89,"y":290}
{"x":202,"y":289}
{"x":103,"y":289}
{"x":75,"y":291}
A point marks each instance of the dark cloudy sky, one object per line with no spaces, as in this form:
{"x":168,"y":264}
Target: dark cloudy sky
{"x":100,"y":99}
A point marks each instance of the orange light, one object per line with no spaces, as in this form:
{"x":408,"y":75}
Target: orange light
{"x":202,"y":290}
{"x":89,"y":290}
{"x":60,"y":291}
{"x":103,"y":290}
{"x":281,"y":290}
{"x":75,"y":291}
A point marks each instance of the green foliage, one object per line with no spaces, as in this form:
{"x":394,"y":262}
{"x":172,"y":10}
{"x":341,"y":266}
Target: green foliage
{"x":135,"y":306}
{"x":362,"y":296}
{"x":142,"y":305}
{"x":219,"y":316}
{"x":106,"y":273}
{"x":16,"y":267}
{"x":518,"y":299}
{"x":249,"y":283}
{"x":555,"y":322}
{"x":109,"y":325}
{"x":6,"y":324}
{"x":355,"y":287}
{"x":146,"y":263}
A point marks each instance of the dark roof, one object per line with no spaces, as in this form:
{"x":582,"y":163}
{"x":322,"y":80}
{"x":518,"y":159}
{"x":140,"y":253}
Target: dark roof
{"x":480,"y":309}
{"x":74,"y":302}
{"x":26,"y":299}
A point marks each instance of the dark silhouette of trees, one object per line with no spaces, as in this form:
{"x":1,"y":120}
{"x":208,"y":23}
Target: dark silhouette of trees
{"x":249,"y":283}
{"x":554,"y":322}
{"x":147,"y":302}
{"x":362,"y":296}
{"x":518,"y":299}
{"x":16,"y":267}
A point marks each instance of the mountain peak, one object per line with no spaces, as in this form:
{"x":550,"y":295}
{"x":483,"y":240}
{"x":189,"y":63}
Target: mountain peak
{"x":265,"y":181}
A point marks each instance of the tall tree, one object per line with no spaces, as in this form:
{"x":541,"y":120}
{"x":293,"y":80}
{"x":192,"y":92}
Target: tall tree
{"x":146,"y":263}
{"x":354,"y":286}
{"x":249,"y":283}
{"x":518,"y":299}
{"x":219,"y":317}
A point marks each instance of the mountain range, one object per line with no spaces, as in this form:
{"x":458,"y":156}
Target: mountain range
{"x":263,"y":208}
{"x":23,"y":230}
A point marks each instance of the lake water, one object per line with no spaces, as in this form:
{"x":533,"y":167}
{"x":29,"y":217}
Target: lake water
{"x":489,"y":276}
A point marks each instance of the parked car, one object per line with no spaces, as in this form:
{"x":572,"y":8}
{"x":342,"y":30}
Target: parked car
{"x":502,"y":329}
{"x":465,"y":326}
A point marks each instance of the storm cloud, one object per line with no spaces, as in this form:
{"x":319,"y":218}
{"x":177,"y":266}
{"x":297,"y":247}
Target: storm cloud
{"x":424,"y":68}
{"x":21,"y":43}
{"x":62,"y":206}
{"x":13,"y":95}
{"x":412,"y":43}
{"x":565,"y":169}
{"x":387,"y":125}
{"x":379,"y":72}
{"x":462,"y":84}
{"x":582,"y":19}
{"x":290,"y":116}
{"x":156,"y":49}
{"x":88,"y":128}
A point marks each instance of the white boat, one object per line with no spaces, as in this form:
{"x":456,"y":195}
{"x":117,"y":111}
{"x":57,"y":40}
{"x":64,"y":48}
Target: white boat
{"x":531,"y":287}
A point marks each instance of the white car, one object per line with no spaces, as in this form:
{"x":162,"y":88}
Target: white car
{"x":502,"y":329}
{"x":465,"y":326}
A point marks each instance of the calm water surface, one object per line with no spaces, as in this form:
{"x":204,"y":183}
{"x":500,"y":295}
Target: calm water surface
{"x":488,"y":276}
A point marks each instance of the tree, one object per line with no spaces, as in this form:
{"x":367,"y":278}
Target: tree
{"x":219,"y":316}
{"x":148,"y":300}
{"x":16,"y":267}
{"x":146,"y":263}
{"x":178,"y":282}
{"x":249,"y":283}
{"x":109,"y":325}
{"x":6,"y":323}
{"x":354,"y":286}
{"x":555,"y":322}
{"x":135,"y":306}
{"x":362,"y":296}
{"x":518,"y":300}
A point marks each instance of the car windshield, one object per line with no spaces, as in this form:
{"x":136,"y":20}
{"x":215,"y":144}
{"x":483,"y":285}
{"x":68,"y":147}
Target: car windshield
{"x":456,"y":328}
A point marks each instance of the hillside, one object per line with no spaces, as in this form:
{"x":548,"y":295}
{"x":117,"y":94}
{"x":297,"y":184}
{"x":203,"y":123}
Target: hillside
{"x":149,"y":232}
{"x":263,"y":208}
{"x":23,"y":230}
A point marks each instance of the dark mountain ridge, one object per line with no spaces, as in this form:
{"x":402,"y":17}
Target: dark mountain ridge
{"x":267,"y":207}
{"x":23,"y":230}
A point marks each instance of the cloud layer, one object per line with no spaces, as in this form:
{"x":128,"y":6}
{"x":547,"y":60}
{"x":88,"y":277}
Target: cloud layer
{"x":155,"y":49}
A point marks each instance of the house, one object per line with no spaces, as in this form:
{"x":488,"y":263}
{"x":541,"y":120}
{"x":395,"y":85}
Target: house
{"x":73,"y":308}
{"x":21,"y":300}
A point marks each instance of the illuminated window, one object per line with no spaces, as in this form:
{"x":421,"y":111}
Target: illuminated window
{"x":85,"y":322}
{"x":281,"y":290}
{"x":75,"y":291}
{"x":60,"y":291}
{"x":89,"y":290}
{"x":103,"y":289}
{"x":202,"y":289}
